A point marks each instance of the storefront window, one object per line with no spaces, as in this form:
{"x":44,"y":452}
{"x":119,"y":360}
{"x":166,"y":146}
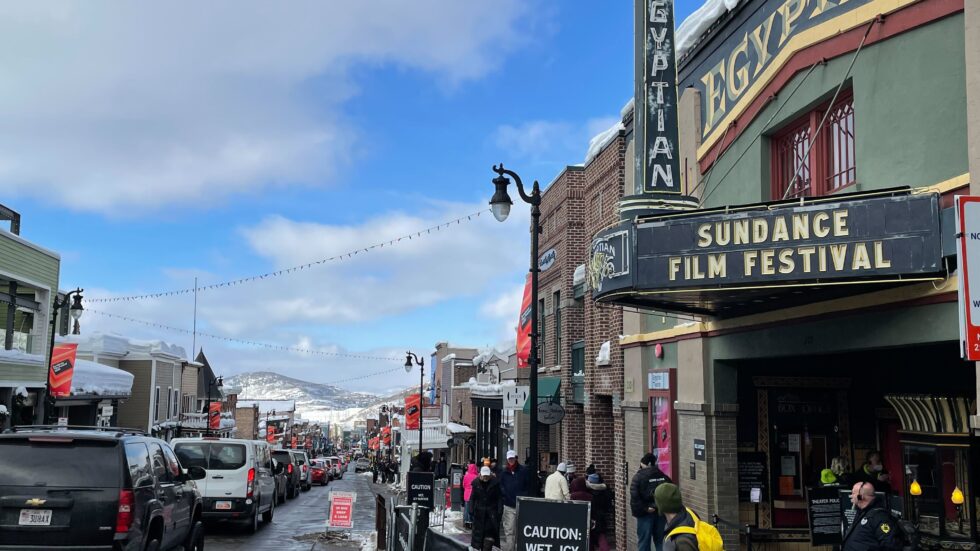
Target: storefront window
{"x":939,"y":471}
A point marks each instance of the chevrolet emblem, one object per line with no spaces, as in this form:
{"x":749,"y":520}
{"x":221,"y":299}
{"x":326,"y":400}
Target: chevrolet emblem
{"x":36,"y":502}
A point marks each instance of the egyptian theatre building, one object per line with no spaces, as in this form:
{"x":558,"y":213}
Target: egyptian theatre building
{"x":787,"y":260}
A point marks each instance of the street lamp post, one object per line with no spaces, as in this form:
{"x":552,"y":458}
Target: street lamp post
{"x":215,"y":382}
{"x":75,"y":310}
{"x":500,"y":204}
{"x":409,"y":356}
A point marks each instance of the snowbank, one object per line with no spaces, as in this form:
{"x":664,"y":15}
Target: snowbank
{"x":457,"y":428}
{"x":21,"y":357}
{"x":578,"y":277}
{"x":3,"y":409}
{"x":95,"y":378}
{"x":691,"y":29}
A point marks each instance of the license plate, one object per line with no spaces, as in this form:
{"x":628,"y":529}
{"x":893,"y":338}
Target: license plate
{"x":35,"y":517}
{"x":223,"y":505}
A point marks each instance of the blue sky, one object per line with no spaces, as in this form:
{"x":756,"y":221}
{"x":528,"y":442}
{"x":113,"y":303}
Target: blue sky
{"x":149,"y":144}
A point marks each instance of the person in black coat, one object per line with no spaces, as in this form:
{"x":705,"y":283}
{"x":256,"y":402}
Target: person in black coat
{"x":486,"y":503}
{"x":602,"y":506}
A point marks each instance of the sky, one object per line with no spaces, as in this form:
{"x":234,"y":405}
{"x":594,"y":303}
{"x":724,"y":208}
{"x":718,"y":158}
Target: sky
{"x":154,"y":143}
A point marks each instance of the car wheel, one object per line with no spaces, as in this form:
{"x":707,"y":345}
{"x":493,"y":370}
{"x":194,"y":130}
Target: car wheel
{"x":195,"y":539}
{"x":267,"y":516}
{"x":253,"y":525}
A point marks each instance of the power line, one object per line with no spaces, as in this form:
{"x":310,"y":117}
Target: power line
{"x":285,"y":271}
{"x":257,"y":344}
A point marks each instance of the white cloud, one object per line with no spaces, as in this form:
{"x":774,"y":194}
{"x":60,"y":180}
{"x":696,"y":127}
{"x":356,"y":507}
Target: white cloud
{"x":504,"y":309}
{"x":560,"y":142}
{"x":117,"y":106}
{"x":466,"y":261}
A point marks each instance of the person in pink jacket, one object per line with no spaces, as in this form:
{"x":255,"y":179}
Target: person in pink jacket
{"x":468,"y":478}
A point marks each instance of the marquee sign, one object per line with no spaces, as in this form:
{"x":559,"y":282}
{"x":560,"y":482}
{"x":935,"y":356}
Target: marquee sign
{"x":724,"y":260}
{"x":870,"y":238}
{"x":767,"y":32}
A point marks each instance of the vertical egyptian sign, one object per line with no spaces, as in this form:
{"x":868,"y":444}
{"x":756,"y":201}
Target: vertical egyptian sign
{"x":61,"y":370}
{"x":655,"y":109}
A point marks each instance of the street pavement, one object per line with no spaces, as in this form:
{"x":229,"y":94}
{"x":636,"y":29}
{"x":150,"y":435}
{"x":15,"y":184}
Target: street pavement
{"x":298,"y":524}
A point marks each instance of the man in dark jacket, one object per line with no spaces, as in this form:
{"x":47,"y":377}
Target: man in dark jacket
{"x":485,"y":504}
{"x":514,"y":483}
{"x":873,"y":528}
{"x":668,"y":498}
{"x":649,"y":523}
{"x":602,"y":506}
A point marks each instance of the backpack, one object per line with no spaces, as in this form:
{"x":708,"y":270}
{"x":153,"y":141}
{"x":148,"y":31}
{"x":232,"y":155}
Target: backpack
{"x":709,"y":539}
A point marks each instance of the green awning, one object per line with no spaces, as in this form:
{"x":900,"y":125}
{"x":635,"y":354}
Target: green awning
{"x":547,"y":388}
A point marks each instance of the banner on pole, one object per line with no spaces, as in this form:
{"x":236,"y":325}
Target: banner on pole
{"x":413,"y":411}
{"x":524,"y":327}
{"x":270,"y":434}
{"x":214,"y":415}
{"x":62,"y":369}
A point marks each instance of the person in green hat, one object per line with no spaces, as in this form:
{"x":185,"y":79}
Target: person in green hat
{"x":669,"y":504}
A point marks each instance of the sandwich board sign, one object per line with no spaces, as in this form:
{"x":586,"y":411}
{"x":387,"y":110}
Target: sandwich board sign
{"x":341,"y":510}
{"x":547,"y":524}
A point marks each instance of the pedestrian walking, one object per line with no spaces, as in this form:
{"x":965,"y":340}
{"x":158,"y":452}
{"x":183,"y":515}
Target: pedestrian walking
{"x":514,"y":483}
{"x":441,"y":466}
{"x":649,"y":523}
{"x":468,"y":478}
{"x":602,"y":504}
{"x":487,"y":504}
{"x":873,"y":527}
{"x":556,"y":486}
{"x":578,"y":491}
{"x":680,"y":524}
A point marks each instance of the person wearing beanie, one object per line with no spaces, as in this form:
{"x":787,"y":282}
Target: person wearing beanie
{"x":649,"y":523}
{"x":602,"y":505}
{"x":668,"y":499}
{"x":556,"y":485}
{"x":514,"y":483}
{"x":485,"y":508}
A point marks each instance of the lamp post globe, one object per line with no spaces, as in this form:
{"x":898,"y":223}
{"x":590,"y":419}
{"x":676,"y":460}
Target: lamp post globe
{"x":500,"y":203}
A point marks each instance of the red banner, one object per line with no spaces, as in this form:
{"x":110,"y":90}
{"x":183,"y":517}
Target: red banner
{"x":270,"y":433}
{"x":524,"y":327}
{"x":62,"y":369}
{"x":214,"y":416}
{"x":413,"y":411}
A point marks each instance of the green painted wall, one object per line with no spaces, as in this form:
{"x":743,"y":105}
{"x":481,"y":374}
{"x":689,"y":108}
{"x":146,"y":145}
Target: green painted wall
{"x":910,"y":116}
{"x":24,"y":261}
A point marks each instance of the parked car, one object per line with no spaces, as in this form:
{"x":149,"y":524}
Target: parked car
{"x":336,"y":471}
{"x":292,"y":470}
{"x":320,"y":469}
{"x":240,"y":483}
{"x":304,"y":469}
{"x":362,"y":464}
{"x":96,"y":488}
{"x":281,"y":481}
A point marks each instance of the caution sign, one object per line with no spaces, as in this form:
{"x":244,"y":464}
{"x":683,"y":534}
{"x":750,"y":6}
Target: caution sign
{"x":341,"y":510}
{"x":555,"y":525}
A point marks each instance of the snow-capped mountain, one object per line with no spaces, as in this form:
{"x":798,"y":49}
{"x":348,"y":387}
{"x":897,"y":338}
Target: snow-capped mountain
{"x":313,"y":400}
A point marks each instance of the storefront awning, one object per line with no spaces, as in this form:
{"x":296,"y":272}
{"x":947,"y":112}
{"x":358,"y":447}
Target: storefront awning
{"x":548,"y":388}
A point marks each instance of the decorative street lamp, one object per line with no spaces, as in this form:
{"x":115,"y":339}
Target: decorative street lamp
{"x":915,"y":490}
{"x":500,"y":204}
{"x":957,"y":499}
{"x":75,"y":311}
{"x":409,"y":356}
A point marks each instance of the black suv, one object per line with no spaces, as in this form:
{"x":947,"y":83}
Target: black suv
{"x":294,"y":474}
{"x":97,"y":488}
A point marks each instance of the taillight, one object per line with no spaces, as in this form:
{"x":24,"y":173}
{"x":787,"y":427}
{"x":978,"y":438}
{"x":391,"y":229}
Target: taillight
{"x":289,"y":468}
{"x":124,"y":515}
{"x":251,"y":483}
{"x":304,"y":468}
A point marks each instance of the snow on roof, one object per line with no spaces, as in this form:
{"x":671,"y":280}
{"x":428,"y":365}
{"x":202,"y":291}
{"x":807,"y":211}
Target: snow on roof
{"x":692,"y":28}
{"x":487,"y":388}
{"x":602,"y":358}
{"x":3,"y":409}
{"x":119,"y":345}
{"x":627,"y":109}
{"x":21,"y":357}
{"x":95,"y":378}
{"x":601,"y":140}
{"x":456,"y":428}
{"x":579,"y":277}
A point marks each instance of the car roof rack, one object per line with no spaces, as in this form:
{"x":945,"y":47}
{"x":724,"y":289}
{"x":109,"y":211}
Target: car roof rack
{"x":120,"y":431}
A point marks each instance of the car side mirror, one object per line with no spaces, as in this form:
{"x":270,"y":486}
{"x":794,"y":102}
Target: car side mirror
{"x":196,"y":473}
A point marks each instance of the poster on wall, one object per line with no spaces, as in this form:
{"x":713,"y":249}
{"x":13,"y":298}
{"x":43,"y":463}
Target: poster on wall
{"x":62,"y":369}
{"x":662,"y":448}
